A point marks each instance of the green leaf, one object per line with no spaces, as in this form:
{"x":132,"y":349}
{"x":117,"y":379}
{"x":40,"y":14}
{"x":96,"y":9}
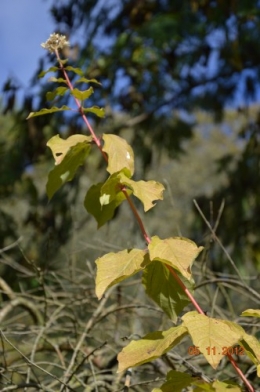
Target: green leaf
{"x":176,"y":381}
{"x":120,"y":154}
{"x":146,"y":191}
{"x":60,"y":147}
{"x":211,"y":336}
{"x":48,"y":111}
{"x":150,"y":347}
{"x":57,"y":80}
{"x":77,"y":71}
{"x":251,"y":313}
{"x":84,"y":80}
{"x":102,"y":213}
{"x":51,"y":69}
{"x":177,"y":252}
{"x":58,"y":91}
{"x":164,"y":290}
{"x":110,"y":189}
{"x":100,"y":112}
{"x":115,"y":267}
{"x":82,"y":95}
{"x":64,"y":61}
{"x":65,"y":171}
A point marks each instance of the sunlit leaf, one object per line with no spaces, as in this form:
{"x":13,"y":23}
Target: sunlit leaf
{"x":251,"y":313}
{"x":211,"y":335}
{"x":82,"y":95}
{"x":60,"y":147}
{"x":150,"y":347}
{"x":51,"y":69}
{"x":57,"y":80}
{"x":146,"y":191}
{"x":100,"y":112}
{"x":84,"y":80}
{"x":178,"y":252}
{"x":66,"y":170}
{"x":164,"y":289}
{"x":252,"y":348}
{"x":58,"y":91}
{"x":48,"y":111}
{"x":115,"y":267}
{"x":77,"y":71}
{"x":120,"y":154}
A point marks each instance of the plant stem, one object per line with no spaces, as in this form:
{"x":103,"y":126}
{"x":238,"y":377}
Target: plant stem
{"x":84,"y":117}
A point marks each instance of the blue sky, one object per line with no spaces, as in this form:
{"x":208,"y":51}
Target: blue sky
{"x":24,"y":25}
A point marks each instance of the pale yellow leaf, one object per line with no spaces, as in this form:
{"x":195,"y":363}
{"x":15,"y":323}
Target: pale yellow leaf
{"x":112,"y":268}
{"x":120,"y":154}
{"x":178,"y":252}
{"x":251,"y":313}
{"x":212,"y":336}
{"x":150,"y":347}
{"x":60,"y":147}
{"x":146,"y":191}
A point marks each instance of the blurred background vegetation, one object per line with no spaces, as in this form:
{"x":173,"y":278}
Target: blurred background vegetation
{"x":180,"y":81}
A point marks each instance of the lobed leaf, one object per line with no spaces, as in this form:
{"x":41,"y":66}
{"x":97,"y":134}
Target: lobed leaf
{"x":112,"y":268}
{"x":82,"y":95}
{"x":211,"y":335}
{"x":165,"y":290}
{"x":48,"y":111}
{"x":150,"y":347}
{"x":66,"y":170}
{"x":100,"y":112}
{"x":146,"y":191}
{"x":60,"y":147}
{"x":177,"y":252}
{"x":120,"y":154}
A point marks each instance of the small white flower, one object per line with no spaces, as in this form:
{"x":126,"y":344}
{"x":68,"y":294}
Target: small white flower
{"x":55,"y":42}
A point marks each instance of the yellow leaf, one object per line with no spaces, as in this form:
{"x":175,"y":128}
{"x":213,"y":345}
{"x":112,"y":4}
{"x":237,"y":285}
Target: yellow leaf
{"x":212,"y":336}
{"x":120,"y":154}
{"x":251,"y":313}
{"x":177,"y":252}
{"x":60,"y":147}
{"x":150,"y":347}
{"x":146,"y":191}
{"x":112,"y":268}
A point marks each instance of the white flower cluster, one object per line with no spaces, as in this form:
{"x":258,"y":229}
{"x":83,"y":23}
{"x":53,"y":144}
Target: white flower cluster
{"x":55,"y":42}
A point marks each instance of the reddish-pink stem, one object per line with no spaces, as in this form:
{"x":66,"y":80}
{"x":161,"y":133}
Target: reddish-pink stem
{"x":84,"y":117}
{"x":184,"y":288}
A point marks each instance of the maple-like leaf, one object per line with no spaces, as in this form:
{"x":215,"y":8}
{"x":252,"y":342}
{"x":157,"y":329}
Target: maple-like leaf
{"x":212,"y":336}
{"x":178,"y":252}
{"x":146,"y":191}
